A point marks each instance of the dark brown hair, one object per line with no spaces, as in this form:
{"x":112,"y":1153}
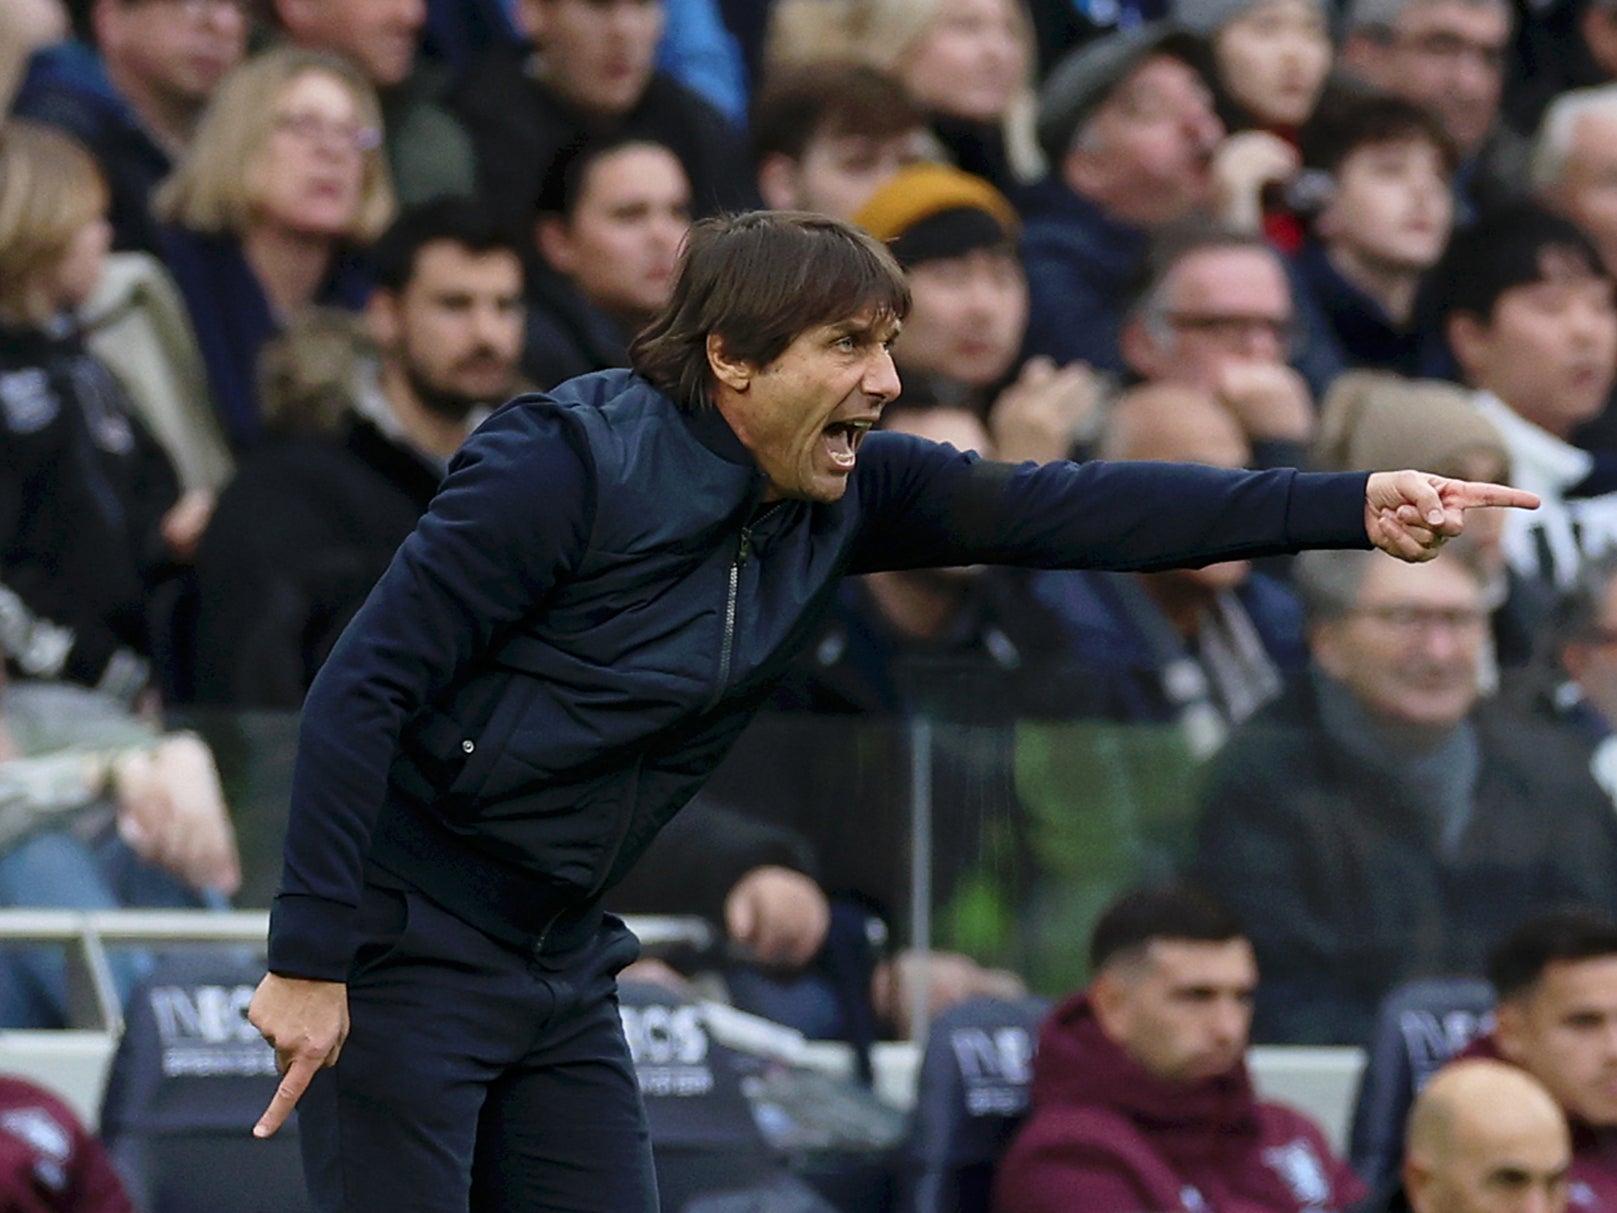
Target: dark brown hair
{"x":799,"y":104}
{"x":758,"y":280}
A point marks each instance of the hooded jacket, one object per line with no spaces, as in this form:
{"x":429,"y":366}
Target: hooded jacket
{"x":599,"y":599}
{"x":1107,"y":1136}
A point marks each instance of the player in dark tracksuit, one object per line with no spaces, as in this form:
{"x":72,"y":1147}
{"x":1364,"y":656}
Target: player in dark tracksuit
{"x":611,"y":579}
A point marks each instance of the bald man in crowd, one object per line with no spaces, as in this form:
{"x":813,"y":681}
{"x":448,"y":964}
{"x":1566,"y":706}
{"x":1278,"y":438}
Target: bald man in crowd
{"x":1483,"y":1137}
{"x":1200,"y":648}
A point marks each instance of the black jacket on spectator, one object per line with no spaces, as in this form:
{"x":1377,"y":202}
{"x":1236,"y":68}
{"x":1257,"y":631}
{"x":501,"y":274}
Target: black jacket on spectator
{"x":567,"y":334}
{"x":518,"y":126}
{"x":298,"y":539}
{"x":1364,"y":335}
{"x":83,"y":490}
{"x":1349,"y":886}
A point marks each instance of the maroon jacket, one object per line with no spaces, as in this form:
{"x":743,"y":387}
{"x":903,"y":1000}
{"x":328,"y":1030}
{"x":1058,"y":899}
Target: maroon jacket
{"x":48,"y":1162}
{"x":1593,"y":1186}
{"x":1106,"y":1136}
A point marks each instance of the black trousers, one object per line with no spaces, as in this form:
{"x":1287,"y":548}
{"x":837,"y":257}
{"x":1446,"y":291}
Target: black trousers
{"x":477,"y":1077}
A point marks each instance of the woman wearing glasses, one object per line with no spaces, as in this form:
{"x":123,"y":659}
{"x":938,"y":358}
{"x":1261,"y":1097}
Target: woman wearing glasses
{"x":282,"y":186}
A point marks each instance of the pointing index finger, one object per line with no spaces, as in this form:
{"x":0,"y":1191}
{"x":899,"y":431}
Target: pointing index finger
{"x":293,"y":1084}
{"x":1470,"y":494}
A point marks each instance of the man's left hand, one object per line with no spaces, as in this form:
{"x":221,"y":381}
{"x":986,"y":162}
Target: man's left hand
{"x":1411,"y":515}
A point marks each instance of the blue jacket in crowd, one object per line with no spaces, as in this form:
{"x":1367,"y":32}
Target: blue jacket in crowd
{"x":597,"y":601}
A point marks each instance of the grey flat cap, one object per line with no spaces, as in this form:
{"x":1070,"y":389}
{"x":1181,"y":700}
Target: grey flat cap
{"x":1087,"y":76}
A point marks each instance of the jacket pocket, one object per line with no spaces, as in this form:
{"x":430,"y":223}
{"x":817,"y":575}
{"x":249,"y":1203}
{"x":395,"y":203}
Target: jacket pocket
{"x":446,"y":754}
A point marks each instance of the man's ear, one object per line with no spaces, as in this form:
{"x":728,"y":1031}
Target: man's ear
{"x":1510,"y":1021}
{"x":733,"y":373}
{"x":1417,"y":1177}
{"x":382,"y":319}
{"x":776,"y":182}
{"x":1139,"y":347}
{"x":556,"y":244}
{"x":1468,"y":338}
{"x":1329,"y":649}
{"x":1107,"y":996}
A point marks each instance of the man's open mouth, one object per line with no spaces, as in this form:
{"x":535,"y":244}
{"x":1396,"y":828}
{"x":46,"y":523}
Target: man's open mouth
{"x":842,"y":439}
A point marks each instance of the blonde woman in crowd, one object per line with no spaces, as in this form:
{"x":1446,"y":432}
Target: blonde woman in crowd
{"x":968,"y":63}
{"x":283,"y":185}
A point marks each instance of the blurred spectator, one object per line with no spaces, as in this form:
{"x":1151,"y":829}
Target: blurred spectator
{"x":1141,"y":1096}
{"x":1271,"y":57}
{"x":611,"y":223}
{"x":1530,"y":315}
{"x":1382,"y":227}
{"x":1202,"y":648}
{"x":1373,"y":421}
{"x":1555,"y":978}
{"x":136,"y":104}
{"x":1270,"y":61}
{"x":98,"y":811}
{"x":428,"y":153}
{"x":1378,"y":822}
{"x":1448,"y":55}
{"x":90,"y":511}
{"x":955,"y":235}
{"x":827,"y":136}
{"x":1214,"y":311}
{"x":359,"y":439}
{"x":967,"y":63}
{"x":1575,"y":163}
{"x":590,"y":72}
{"x":284,"y":182}
{"x":49,"y":1162}
{"x":755,"y":881}
{"x":1482,"y":1138}
{"x":1584,"y":693}
{"x":1128,"y":127}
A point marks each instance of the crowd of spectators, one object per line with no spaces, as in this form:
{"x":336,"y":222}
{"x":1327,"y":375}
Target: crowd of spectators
{"x":264,"y":263}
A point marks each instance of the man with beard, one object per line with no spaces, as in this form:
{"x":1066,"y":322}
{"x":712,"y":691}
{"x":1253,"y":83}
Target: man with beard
{"x":1141,"y":1096}
{"x":361,"y":442}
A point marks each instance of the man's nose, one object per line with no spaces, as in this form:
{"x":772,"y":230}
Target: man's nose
{"x":1229,"y":1023}
{"x":881,"y":377}
{"x":488,"y":325}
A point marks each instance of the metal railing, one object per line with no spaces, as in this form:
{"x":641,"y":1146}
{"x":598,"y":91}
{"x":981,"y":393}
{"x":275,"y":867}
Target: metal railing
{"x":85,"y":938}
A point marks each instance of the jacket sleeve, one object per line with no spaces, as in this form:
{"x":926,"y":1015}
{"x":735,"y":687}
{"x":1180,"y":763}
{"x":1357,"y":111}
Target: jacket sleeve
{"x":510,"y":521}
{"x":924,"y":504}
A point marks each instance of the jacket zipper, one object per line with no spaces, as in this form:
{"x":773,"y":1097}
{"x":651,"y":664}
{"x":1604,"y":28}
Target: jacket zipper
{"x":727,"y":646}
